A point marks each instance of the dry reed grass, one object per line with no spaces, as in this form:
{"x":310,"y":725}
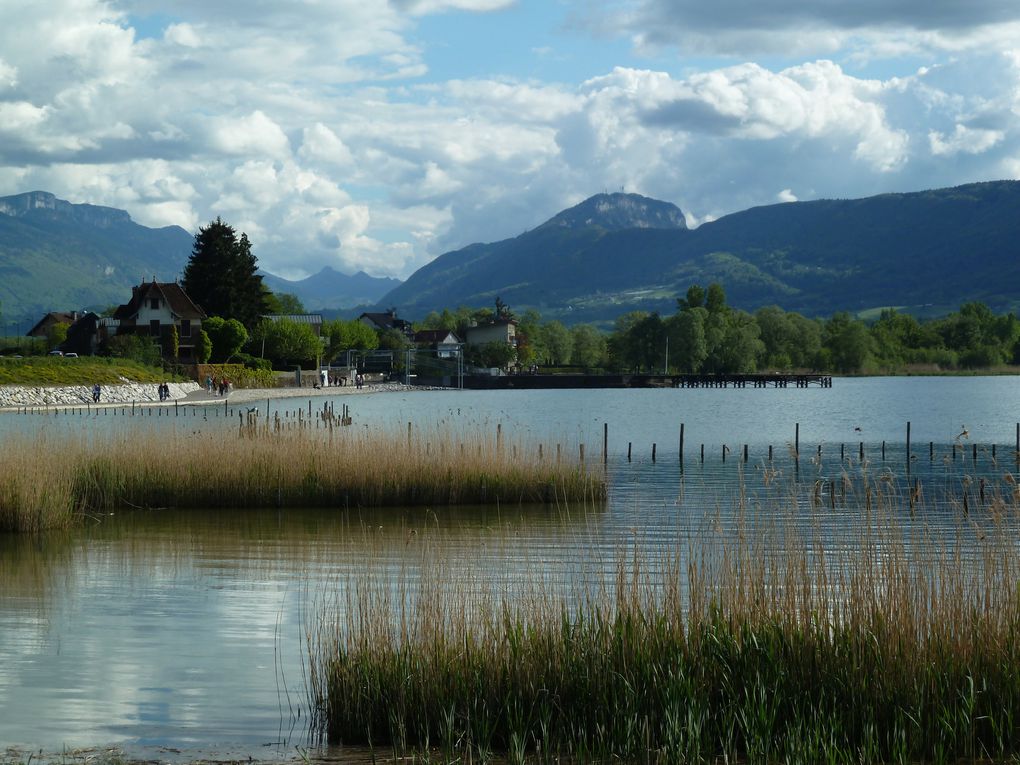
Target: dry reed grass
{"x":47,"y":482}
{"x":855,"y":631}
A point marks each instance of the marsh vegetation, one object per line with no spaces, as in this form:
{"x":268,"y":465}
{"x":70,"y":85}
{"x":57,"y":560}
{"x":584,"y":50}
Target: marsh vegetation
{"x":866,"y":627}
{"x":52,"y":482}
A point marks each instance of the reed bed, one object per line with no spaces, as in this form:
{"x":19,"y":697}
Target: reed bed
{"x":47,"y":482}
{"x":866,"y":630}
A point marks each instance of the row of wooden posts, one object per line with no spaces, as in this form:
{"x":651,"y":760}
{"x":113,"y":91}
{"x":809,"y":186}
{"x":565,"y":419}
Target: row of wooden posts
{"x":329,"y":417}
{"x":957,"y":446}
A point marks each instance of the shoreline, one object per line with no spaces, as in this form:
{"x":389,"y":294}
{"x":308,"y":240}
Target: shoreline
{"x":14,"y":398}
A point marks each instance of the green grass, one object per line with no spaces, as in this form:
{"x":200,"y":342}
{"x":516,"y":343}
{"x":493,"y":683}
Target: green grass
{"x":879,"y":640}
{"x":60,"y":371}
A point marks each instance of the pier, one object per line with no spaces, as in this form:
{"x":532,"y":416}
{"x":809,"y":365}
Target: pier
{"x":540,"y":381}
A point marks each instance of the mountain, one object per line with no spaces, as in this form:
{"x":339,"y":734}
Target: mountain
{"x":927,"y":252}
{"x":55,"y":255}
{"x":330,"y":289}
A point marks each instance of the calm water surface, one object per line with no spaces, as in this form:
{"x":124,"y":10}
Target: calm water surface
{"x":186,"y":629}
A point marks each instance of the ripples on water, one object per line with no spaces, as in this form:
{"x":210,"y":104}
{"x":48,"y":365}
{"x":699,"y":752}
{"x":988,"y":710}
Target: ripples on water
{"x":155,"y":628}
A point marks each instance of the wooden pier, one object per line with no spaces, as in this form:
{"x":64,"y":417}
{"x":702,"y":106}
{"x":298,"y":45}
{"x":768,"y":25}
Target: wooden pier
{"x":540,"y":381}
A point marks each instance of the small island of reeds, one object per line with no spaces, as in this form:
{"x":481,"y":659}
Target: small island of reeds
{"x":49,"y":481}
{"x":868,"y":630}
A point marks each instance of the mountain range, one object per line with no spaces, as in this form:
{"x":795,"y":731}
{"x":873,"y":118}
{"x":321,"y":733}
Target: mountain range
{"x":59,"y":256}
{"x":926,"y":252}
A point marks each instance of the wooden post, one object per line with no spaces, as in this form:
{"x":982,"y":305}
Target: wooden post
{"x":842,"y":452}
{"x":681,"y":443}
{"x":931,"y":451}
{"x":908,"y":442}
{"x":883,"y":450}
{"x":724,"y":452}
{"x":605,"y":441}
{"x":653,"y":452}
{"x":745,"y":452}
{"x":796,"y":441}
{"x":770,"y":452}
{"x":628,"y":450}
{"x":580,"y":451}
{"x":862,"y":451}
{"x":702,"y":454}
{"x":974,"y":452}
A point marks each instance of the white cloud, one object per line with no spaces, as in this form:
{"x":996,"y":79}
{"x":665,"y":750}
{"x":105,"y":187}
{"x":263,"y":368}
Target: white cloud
{"x":964,"y":139}
{"x":254,"y":133}
{"x":311,"y":126}
{"x":786,"y":195}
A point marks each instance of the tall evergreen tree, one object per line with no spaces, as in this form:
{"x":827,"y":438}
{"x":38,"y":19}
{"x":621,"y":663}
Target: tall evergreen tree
{"x":221,"y":275}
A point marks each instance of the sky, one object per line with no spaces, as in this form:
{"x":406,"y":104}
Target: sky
{"x":375,"y":135}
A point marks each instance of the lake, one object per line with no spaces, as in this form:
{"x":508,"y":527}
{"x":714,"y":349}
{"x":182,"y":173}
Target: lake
{"x":166,"y":630}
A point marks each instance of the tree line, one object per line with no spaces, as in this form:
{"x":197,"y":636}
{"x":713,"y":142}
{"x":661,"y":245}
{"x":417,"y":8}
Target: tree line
{"x":706,"y":335}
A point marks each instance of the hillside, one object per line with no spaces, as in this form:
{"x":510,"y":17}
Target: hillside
{"x":927,"y":252}
{"x":58,"y":256}
{"x":329,"y":289}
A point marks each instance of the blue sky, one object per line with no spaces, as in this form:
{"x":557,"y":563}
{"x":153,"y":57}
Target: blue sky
{"x":376,"y":134}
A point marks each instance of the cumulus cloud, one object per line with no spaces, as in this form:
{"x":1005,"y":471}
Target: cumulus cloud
{"x":311,"y":127}
{"x":804,"y":27}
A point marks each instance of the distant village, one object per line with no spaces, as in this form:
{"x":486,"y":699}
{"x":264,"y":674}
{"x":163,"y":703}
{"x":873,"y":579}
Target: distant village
{"x":163,"y":314}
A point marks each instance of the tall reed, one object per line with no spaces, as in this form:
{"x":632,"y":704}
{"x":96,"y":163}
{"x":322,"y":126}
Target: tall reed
{"x":851,"y":632}
{"x":50,"y":482}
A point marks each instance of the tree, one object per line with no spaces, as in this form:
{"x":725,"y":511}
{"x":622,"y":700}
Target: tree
{"x":349,"y":335}
{"x":221,"y":275}
{"x":847,"y":341}
{"x":228,"y":336}
{"x":686,"y":332}
{"x":286,"y":303}
{"x":56,"y":335}
{"x":558,"y":343}
{"x":287,"y":341}
{"x":203,"y":347}
{"x":140,"y":348}
{"x":173,"y":343}
{"x":589,"y":346}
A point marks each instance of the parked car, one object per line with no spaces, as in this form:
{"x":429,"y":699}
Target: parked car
{"x":71,"y":355}
{"x":56,"y":353}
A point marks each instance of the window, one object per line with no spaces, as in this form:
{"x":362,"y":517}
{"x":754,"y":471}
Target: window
{"x":154,"y":327}
{"x":154,"y":304}
{"x":185,"y":327}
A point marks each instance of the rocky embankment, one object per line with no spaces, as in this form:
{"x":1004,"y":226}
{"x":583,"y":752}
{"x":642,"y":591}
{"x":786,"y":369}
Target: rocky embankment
{"x":12,"y":396}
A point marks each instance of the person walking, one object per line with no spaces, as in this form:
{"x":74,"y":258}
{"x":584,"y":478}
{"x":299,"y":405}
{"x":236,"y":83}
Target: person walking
{"x":96,"y":393}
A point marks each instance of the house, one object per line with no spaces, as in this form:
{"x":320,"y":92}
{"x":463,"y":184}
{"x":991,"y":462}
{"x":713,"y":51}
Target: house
{"x":83,"y":335}
{"x":45,"y":325}
{"x":445,"y":343}
{"x":501,"y":329}
{"x":314,"y":320}
{"x":154,"y":309}
{"x":386,"y":321}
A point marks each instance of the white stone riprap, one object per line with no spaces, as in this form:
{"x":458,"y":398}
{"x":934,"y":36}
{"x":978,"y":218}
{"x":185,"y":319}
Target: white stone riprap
{"x":12,"y":396}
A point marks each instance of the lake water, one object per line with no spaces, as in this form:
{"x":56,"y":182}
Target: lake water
{"x":159,"y":631}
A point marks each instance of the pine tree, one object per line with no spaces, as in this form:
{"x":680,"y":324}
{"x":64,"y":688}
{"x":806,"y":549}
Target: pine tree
{"x":221,"y":275}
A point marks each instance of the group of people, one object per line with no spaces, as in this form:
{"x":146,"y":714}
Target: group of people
{"x":164,"y":391}
{"x":218,"y":385}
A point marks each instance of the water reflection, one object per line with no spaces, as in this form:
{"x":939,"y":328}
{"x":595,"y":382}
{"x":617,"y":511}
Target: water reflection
{"x":187,"y":628}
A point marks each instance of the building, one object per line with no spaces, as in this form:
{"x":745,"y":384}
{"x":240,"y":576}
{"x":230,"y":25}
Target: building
{"x":445,"y":343}
{"x":45,"y":325}
{"x":386,"y":321}
{"x":501,"y":329}
{"x":154,"y":310}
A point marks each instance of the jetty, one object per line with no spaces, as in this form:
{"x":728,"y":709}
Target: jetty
{"x":541,"y":381}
